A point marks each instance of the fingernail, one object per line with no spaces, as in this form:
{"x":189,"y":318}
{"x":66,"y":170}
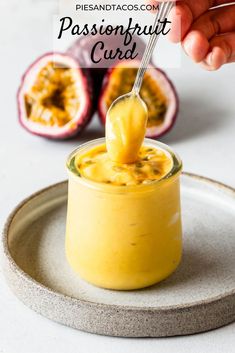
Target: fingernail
{"x":188,"y":46}
{"x":214,"y":59}
{"x":209,"y":58}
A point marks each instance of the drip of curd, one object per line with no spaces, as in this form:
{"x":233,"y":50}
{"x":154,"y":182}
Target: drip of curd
{"x":126,"y":123}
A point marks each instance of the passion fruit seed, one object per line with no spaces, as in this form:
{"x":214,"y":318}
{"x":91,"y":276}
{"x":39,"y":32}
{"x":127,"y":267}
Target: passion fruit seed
{"x":117,"y":168}
{"x":89,"y":162}
{"x":139,"y":165}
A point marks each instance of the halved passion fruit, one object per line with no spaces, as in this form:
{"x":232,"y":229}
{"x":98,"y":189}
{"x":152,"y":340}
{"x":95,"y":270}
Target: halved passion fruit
{"x":157,"y":91}
{"x":54,"y":98}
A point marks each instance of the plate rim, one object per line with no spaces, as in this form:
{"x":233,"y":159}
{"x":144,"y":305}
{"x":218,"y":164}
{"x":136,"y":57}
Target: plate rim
{"x":82,"y":302}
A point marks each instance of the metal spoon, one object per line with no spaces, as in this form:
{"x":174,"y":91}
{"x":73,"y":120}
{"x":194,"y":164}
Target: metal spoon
{"x":125,"y":134}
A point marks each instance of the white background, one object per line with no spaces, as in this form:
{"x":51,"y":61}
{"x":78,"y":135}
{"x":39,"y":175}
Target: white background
{"x":204,"y":136}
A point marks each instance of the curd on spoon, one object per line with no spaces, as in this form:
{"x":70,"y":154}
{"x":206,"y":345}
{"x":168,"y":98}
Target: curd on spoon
{"x":125,"y":128}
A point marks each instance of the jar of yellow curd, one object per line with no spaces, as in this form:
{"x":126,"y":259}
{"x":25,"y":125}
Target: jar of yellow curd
{"x":124,"y":237}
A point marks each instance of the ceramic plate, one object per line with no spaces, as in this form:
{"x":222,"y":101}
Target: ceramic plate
{"x":199,"y":296}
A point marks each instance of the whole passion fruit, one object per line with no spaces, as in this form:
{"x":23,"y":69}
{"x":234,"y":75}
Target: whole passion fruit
{"x":157,"y":91}
{"x":54,"y":98}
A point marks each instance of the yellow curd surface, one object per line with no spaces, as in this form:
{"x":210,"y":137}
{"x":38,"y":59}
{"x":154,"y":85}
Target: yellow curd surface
{"x":151,"y":165}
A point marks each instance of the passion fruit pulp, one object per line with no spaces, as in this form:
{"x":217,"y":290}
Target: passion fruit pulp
{"x":157,"y":91}
{"x":54,"y":97}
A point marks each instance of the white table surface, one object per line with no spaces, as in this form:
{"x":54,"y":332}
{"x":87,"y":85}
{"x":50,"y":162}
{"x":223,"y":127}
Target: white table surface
{"x":204,"y":136}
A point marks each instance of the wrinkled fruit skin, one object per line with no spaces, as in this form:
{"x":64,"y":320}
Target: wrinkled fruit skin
{"x":81,"y":50}
{"x":167,"y":88}
{"x":80,"y":119}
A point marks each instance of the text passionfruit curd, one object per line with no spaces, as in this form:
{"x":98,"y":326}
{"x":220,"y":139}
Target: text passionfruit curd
{"x":124,"y":220}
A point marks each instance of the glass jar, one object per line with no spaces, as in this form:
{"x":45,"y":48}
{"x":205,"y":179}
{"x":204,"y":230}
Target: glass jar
{"x":124,"y":237}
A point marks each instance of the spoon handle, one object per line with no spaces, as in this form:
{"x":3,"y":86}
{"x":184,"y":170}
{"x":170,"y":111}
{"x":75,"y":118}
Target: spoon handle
{"x":164,"y":10}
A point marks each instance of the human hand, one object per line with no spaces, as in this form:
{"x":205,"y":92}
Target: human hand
{"x":207,"y":30}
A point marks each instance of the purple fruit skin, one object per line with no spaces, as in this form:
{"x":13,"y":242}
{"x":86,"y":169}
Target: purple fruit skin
{"x":177,"y":104}
{"x":101,"y":113}
{"x":84,"y":118}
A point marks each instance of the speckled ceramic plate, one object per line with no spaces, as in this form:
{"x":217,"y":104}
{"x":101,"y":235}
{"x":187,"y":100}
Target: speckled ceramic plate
{"x":199,"y":296}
